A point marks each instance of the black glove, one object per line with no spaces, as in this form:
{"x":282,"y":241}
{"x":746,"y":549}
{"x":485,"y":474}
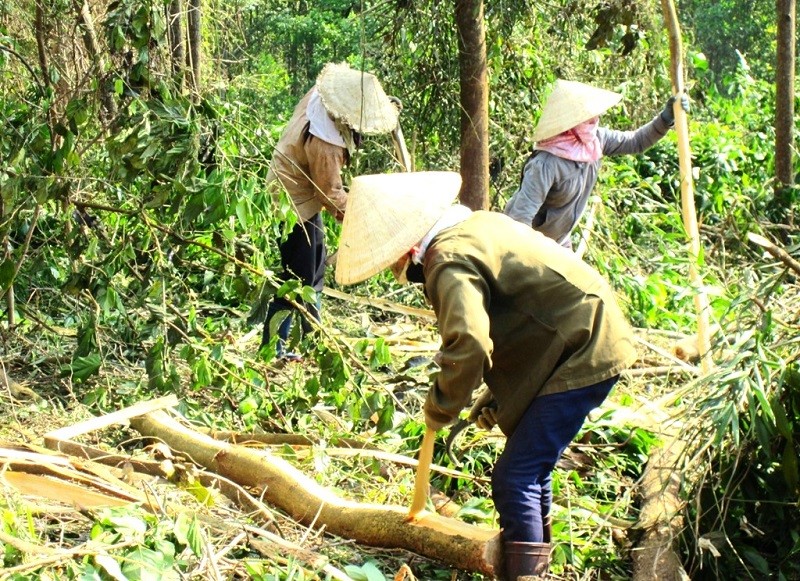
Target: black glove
{"x":668,"y":114}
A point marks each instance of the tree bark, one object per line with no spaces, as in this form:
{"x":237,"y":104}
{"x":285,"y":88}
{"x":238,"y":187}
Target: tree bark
{"x":195,"y":38}
{"x":96,"y":54}
{"x":784,"y":100}
{"x":176,"y":42}
{"x":474,"y":104}
{"x":654,"y":559}
{"x":453,"y":542}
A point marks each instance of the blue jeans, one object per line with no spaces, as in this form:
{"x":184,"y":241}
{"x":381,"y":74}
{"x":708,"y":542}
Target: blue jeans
{"x":522,"y":476}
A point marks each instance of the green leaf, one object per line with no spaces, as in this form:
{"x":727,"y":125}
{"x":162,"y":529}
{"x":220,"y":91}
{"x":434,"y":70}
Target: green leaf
{"x":202,"y":373}
{"x":781,"y":419}
{"x":6,"y":274}
{"x":196,"y":538}
{"x":309,"y":295}
{"x":790,"y":466}
{"x":180,"y":528}
{"x":82,"y":368}
{"x":124,"y":523}
{"x":154,"y":364}
{"x":200,"y":492}
{"x":142,"y":564}
{"x":386,"y":418}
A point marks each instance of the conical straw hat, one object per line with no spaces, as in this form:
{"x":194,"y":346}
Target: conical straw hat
{"x":357,"y":99}
{"x":386,"y":215}
{"x":571,"y":103}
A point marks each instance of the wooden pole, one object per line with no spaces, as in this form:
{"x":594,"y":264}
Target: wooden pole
{"x":421,"y":485}
{"x":687,"y":187}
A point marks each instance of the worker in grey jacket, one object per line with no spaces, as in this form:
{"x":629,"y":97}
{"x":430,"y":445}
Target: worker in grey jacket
{"x":560,"y":174}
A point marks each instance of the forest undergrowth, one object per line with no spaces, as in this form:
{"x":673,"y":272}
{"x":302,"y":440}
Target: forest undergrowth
{"x":139,"y":251}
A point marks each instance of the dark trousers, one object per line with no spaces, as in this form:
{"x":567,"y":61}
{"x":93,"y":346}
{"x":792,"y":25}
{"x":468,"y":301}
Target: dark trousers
{"x":302,"y":257}
{"x":522,"y":476}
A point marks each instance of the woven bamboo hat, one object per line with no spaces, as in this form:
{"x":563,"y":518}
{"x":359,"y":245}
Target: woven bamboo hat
{"x":386,"y":215}
{"x":357,"y":99}
{"x":570,"y":103}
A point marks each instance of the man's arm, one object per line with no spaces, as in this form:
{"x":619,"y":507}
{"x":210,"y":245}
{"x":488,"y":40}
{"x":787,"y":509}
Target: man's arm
{"x":458,"y":296}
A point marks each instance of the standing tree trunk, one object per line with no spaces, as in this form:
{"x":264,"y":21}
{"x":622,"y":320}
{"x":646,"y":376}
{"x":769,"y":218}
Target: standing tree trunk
{"x":784,"y":101}
{"x":193,"y":26}
{"x":474,"y":104}
{"x":96,"y":54}
{"x":176,"y":42}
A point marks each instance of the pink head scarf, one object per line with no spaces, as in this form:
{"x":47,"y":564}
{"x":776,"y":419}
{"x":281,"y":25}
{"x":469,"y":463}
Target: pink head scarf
{"x":578,"y":144}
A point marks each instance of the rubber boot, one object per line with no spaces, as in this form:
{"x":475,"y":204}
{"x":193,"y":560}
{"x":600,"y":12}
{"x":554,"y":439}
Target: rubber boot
{"x":526,"y":561}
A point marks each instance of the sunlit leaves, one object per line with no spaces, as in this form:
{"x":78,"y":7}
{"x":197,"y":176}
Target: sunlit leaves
{"x":366,"y":572}
{"x":81,"y":368}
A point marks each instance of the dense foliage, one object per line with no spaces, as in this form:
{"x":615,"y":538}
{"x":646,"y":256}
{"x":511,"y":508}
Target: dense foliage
{"x":138,"y":244}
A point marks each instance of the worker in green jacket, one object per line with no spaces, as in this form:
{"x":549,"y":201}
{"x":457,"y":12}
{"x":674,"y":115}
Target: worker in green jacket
{"x":515,"y":310}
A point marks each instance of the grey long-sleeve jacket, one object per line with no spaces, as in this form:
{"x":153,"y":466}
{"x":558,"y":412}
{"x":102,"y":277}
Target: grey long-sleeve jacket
{"x":554,"y":191}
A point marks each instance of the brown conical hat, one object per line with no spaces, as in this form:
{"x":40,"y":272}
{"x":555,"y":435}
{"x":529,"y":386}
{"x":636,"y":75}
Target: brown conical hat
{"x":570,"y":103}
{"x":357,"y":99}
{"x":386,"y":215}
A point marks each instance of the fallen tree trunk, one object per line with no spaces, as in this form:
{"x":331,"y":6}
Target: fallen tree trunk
{"x":655,"y":559}
{"x":450,"y":541}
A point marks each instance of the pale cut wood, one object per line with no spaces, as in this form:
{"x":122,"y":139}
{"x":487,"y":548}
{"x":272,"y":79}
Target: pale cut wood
{"x":775,"y":251}
{"x":96,"y":423}
{"x":380,"y":304}
{"x":654,"y":559}
{"x":61,"y":490}
{"x":231,"y":490}
{"x":35,"y":460}
{"x":455,"y":543}
{"x":272,"y":439}
{"x":301,"y":447}
{"x":421,"y":485}
{"x":25,"y":546}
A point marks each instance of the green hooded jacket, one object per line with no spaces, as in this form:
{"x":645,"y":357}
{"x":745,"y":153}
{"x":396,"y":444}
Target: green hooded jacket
{"x":519,"y":312}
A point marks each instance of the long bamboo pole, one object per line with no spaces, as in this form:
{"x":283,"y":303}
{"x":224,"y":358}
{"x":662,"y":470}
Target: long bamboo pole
{"x":687,"y":187}
{"x":660,"y":517}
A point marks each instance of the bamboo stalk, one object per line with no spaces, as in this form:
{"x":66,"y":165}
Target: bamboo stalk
{"x":687,"y":187}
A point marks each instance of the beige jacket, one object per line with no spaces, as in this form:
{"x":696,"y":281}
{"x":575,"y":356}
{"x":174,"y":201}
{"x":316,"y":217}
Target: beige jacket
{"x":309,"y":168}
{"x":520,"y":312}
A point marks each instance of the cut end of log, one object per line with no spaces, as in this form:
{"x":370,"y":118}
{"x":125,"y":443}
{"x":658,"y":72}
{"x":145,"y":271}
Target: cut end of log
{"x":687,"y":350}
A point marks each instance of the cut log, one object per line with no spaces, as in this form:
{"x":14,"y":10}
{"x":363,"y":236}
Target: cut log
{"x":660,"y":518}
{"x":452,"y":542}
